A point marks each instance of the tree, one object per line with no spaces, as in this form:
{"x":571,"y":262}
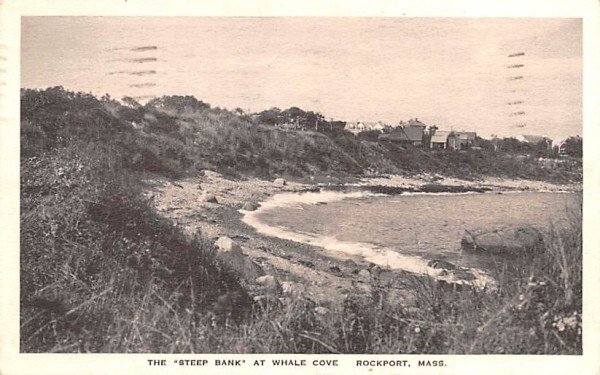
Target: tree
{"x":130,"y":102}
{"x":270,"y":116}
{"x":573,"y":146}
{"x":179,"y":103}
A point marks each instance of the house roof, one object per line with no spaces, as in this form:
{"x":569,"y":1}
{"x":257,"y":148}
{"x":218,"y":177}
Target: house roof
{"x":415,"y":122}
{"x":440,"y":136}
{"x":405,"y":133}
{"x":467,"y":135}
{"x":534,"y":138}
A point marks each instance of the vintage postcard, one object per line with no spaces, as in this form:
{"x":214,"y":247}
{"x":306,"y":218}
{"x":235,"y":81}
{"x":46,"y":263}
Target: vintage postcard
{"x":267,"y":187}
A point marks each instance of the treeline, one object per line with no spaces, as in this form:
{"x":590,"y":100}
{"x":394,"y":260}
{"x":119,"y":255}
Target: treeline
{"x":299,"y":119}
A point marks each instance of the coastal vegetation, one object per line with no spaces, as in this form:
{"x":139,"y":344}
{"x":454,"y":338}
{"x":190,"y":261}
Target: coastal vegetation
{"x":101,"y":271}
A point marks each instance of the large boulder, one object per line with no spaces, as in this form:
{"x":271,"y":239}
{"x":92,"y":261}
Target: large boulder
{"x":250,"y":206}
{"x":508,"y":240}
{"x":439,"y":267}
{"x":280,"y":182}
{"x":268,"y":282}
{"x":364,"y":274}
{"x":231,"y":255}
{"x":441,"y":264}
{"x":242,"y":266}
{"x":209,"y":198}
{"x":447,"y":273}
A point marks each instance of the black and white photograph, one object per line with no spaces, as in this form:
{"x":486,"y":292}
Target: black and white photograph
{"x":308,"y":185}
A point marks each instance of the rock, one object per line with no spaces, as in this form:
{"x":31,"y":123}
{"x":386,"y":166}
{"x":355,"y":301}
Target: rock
{"x":307,"y":263}
{"x":448,"y":272}
{"x":280,"y":182}
{"x":508,"y":240}
{"x":242,"y":266}
{"x":463,"y":275}
{"x":349,"y":263}
{"x":230,"y":253}
{"x":441,"y":268}
{"x":226,"y":245}
{"x":364,"y":274}
{"x":267,"y":281}
{"x":336,"y":270}
{"x":250,"y":206}
{"x":441,"y":264}
{"x":209,"y":198}
{"x":321,"y":310}
{"x":376,"y":271}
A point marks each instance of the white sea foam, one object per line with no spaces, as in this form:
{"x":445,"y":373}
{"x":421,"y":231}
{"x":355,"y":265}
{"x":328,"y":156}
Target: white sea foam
{"x":379,"y":255}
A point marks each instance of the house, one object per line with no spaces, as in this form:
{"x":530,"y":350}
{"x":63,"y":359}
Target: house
{"x":446,"y":139}
{"x":365,"y":126}
{"x":466,"y":139}
{"x":536,"y":140}
{"x":409,"y":134}
{"x":354,"y":127}
{"x":454,"y":142}
{"x":439,"y":139}
{"x":378,"y":126}
{"x":561,"y":146}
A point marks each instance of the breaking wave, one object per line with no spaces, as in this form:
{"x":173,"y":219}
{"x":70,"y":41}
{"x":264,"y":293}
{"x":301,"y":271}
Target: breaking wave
{"x":382,"y":256}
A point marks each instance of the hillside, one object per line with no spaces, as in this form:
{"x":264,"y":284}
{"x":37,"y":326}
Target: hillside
{"x":177,"y":136}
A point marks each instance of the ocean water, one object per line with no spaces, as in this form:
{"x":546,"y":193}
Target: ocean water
{"x":405,"y":231}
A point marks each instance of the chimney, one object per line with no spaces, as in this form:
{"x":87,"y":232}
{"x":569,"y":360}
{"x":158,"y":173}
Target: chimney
{"x":432,"y":130}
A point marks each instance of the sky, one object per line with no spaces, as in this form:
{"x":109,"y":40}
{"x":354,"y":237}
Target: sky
{"x":451,"y":72}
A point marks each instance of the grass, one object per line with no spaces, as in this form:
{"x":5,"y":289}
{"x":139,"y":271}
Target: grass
{"x":102,"y":272}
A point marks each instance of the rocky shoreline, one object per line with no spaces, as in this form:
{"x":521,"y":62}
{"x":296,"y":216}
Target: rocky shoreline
{"x":211,"y":204}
